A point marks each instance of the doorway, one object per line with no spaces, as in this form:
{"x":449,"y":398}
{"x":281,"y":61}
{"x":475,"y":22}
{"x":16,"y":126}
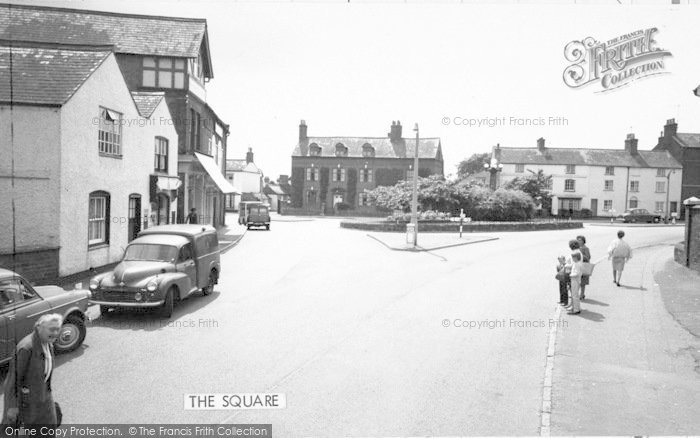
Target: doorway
{"x":134,"y":216}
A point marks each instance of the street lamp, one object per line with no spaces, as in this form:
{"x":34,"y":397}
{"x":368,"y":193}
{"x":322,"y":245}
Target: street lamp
{"x":414,"y":200}
{"x":494,"y":166}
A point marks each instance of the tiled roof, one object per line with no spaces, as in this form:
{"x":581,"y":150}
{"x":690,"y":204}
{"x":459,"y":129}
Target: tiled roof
{"x":383,"y":147}
{"x":145,"y":102}
{"x":134,"y":34}
{"x":689,"y":140}
{"x":590,"y":157}
{"x":273,"y":189}
{"x":45,"y":76}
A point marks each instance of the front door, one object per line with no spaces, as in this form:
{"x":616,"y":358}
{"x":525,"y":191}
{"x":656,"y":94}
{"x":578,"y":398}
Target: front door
{"x":134,"y":216}
{"x":163,"y":213}
{"x":185,"y":264}
{"x":594,"y":207}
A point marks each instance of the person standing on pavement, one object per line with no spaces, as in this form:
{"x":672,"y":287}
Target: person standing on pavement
{"x":564,"y":281}
{"x":585,"y":279}
{"x":28,"y":398}
{"x":620,"y":253}
{"x":573,"y":263}
{"x":192,"y":217}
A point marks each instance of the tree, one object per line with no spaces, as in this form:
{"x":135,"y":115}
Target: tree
{"x":472,"y":165}
{"x":537,"y":185}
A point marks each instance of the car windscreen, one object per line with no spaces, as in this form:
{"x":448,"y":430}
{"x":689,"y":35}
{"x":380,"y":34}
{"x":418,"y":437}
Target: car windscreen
{"x":258,"y":210}
{"x":150,"y":252}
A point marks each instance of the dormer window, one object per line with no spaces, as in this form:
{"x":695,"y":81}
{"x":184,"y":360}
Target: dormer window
{"x":159,"y":72}
{"x":314,"y":150}
{"x":367,"y":150}
{"x":341,"y":150}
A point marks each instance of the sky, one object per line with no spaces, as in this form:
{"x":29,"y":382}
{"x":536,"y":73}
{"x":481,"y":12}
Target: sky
{"x":351,"y":68}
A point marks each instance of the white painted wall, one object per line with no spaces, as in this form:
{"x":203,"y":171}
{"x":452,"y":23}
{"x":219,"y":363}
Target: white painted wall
{"x":35,"y":139}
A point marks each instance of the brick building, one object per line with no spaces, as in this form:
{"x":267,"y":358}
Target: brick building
{"x":331,"y":173}
{"x":155,"y":54}
{"x":686,"y":149}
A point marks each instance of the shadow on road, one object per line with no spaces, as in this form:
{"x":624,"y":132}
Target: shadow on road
{"x":148,"y":319}
{"x":595,"y":302}
{"x":592,"y":316}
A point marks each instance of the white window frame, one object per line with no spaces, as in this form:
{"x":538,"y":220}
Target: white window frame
{"x":609,"y":185}
{"x":610,"y":170}
{"x":660,"y":206}
{"x":570,"y":169}
{"x":634,"y":187}
{"x":661,"y":172}
{"x":97,"y":219}
{"x":573,"y":185}
{"x":607,"y":204}
{"x":660,"y":186}
{"x":157,"y":64}
{"x":109,"y":133}
{"x":161,"y":154}
{"x":519,"y":168}
{"x":339,"y":174}
{"x":365,"y":175}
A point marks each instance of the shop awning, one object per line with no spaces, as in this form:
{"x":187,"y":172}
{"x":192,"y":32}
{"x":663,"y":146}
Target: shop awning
{"x":168,"y":182}
{"x":215,"y":173}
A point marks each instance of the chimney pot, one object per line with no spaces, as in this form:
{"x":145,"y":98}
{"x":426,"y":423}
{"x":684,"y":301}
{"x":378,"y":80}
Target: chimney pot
{"x":540,"y":144}
{"x":302,"y":131}
{"x":671,"y":128}
{"x":249,"y":156}
{"x":631,"y":144}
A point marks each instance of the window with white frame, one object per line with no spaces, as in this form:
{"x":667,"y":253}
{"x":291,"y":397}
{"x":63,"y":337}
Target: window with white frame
{"x":161,"y":154}
{"x":367,"y":150}
{"x":609,"y":170}
{"x":571,"y":169}
{"x":519,"y":168}
{"x":660,"y":186}
{"x":607,"y":205}
{"x":634,"y":187}
{"x":98,"y":218}
{"x":314,"y":150}
{"x":363,"y":200}
{"x":109,"y":139}
{"x":608,"y":185}
{"x":570,"y":185}
{"x":338,"y":175}
{"x":661,"y":172}
{"x":312,"y":174}
{"x":659,"y":206}
{"x":634,"y":202}
{"x":365,"y":175}
{"x":159,"y":72}
{"x":409,"y":174}
{"x":341,"y":150}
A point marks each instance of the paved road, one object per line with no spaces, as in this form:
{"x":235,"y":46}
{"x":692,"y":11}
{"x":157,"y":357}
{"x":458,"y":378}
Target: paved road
{"x":351,"y":332}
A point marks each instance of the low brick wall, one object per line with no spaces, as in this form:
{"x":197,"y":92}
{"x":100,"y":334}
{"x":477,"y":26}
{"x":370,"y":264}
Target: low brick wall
{"x":471,"y":227}
{"x":39,"y":266}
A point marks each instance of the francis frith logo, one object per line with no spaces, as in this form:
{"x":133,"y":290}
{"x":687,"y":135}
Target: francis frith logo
{"x":616,"y":62}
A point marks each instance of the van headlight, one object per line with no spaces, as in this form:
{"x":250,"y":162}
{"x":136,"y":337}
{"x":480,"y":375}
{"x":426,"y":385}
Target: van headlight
{"x":152,"y":286}
{"x":94,"y":284}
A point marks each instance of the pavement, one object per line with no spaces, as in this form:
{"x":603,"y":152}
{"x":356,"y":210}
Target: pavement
{"x":633,"y":355}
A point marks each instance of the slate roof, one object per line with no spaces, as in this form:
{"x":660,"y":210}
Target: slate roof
{"x":133,"y":34}
{"x":45,"y":76}
{"x":689,"y":140}
{"x":589,"y":157}
{"x":146,"y":103}
{"x":273,"y":189}
{"x":383,"y":147}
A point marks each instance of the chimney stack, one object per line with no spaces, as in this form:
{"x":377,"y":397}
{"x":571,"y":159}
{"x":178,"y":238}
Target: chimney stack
{"x":283,"y":180}
{"x":540,"y":145}
{"x":302,"y":131}
{"x":671,"y":128}
{"x":396,"y":131}
{"x":631,"y":144}
{"x":249,"y":156}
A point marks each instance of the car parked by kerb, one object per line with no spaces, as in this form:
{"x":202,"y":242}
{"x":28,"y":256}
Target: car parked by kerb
{"x":640,"y":215}
{"x":21,"y":305}
{"x":162,"y":266}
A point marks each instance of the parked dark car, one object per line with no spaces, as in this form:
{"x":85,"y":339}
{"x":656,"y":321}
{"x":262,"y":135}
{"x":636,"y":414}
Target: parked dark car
{"x":640,"y":215}
{"x":21,"y":304}
{"x":258,"y":216}
{"x":162,"y":266}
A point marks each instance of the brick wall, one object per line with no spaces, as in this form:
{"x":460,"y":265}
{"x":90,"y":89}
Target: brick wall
{"x":39,"y":266}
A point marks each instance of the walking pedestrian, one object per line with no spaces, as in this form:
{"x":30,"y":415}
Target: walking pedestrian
{"x":573,"y":262}
{"x":192,"y":217}
{"x":620,"y":253}
{"x":585,"y":279}
{"x":28,"y":398}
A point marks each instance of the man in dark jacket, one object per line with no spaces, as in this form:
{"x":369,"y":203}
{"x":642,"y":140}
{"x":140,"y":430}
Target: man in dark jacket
{"x":28,"y":399}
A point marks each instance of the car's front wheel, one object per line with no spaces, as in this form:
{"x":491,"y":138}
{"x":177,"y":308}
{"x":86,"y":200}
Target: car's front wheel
{"x":166,"y":311}
{"x":72,"y":334}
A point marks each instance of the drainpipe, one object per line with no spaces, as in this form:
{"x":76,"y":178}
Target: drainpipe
{"x":627,"y":190}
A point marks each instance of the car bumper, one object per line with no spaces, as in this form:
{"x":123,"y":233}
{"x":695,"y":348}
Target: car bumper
{"x":128,"y":304}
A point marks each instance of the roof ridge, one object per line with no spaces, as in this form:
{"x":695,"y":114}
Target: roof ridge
{"x":54,"y":45}
{"x":110,"y":13}
{"x":371,"y":138}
